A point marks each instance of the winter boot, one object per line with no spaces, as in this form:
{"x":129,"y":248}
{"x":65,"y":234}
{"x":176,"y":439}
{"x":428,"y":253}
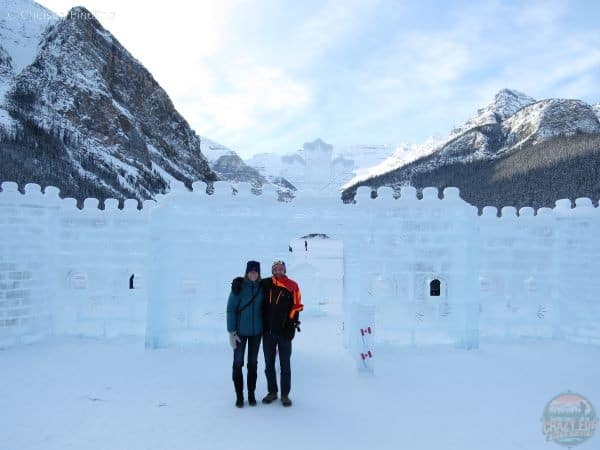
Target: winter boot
{"x":285,"y":400}
{"x":239,"y":401}
{"x":239,"y":391}
{"x":270,"y":397}
{"x":251,"y":385}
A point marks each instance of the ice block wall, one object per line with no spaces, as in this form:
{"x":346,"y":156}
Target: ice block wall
{"x":100,"y":269}
{"x":66,"y":271}
{"x":412,"y":246}
{"x":577,"y":250}
{"x":27,"y":251}
{"x":517,"y":279}
{"x":201,"y":242}
{"x":537,"y":273}
{"x":430,"y":270}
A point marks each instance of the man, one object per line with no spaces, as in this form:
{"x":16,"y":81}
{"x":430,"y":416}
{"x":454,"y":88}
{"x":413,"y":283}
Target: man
{"x":282,"y":305}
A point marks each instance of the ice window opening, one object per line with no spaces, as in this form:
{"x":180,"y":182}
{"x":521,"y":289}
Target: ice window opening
{"x":434,"y":288}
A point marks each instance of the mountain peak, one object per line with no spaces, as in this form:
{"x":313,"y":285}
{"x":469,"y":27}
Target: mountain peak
{"x":505,"y":104}
{"x":509,"y":101}
{"x":80,"y":13}
{"x":507,"y":93}
{"x":83,"y":20}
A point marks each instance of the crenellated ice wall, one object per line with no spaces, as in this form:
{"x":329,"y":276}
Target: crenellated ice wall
{"x":66,"y":271}
{"x":410,"y":243}
{"x":498,"y":276}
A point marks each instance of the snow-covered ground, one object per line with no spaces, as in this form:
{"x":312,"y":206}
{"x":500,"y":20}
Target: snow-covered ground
{"x":86,"y":394}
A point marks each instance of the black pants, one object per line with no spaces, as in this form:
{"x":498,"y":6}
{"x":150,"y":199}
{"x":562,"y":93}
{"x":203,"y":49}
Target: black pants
{"x":238,"y":362}
{"x":271,"y":343}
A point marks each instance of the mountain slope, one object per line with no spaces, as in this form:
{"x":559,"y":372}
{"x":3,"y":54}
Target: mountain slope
{"x":90,"y":119}
{"x":22,"y":25}
{"x":228,"y":165}
{"x":519,"y":152}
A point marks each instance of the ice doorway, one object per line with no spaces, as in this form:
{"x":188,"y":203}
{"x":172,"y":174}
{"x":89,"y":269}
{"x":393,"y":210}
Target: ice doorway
{"x":316,"y":262}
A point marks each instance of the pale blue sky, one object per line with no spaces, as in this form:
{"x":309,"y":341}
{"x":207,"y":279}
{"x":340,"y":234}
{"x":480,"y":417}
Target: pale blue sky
{"x":267,"y":76}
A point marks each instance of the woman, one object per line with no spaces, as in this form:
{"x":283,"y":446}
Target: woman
{"x":245,"y":326}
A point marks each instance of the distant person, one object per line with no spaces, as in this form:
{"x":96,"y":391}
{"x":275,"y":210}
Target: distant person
{"x":283,"y":303}
{"x":305,"y":245}
{"x":245,"y":326}
{"x":290,"y":248}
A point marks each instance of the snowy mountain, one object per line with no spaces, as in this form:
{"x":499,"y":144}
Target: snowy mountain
{"x":291,"y":166}
{"x":319,"y":166}
{"x":515,"y":151}
{"x":505,"y":104}
{"x":230,"y":167}
{"x":6,"y":76}
{"x":596,"y":108}
{"x":22,"y":25}
{"x":87,"y":117}
{"x":79,"y":112}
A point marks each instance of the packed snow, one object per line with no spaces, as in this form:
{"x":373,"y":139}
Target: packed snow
{"x":94,"y":395}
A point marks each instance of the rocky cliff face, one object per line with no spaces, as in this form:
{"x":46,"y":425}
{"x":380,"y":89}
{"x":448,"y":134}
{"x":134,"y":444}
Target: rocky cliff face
{"x":228,"y":165}
{"x":92,"y":113}
{"x":6,"y":70}
{"x":506,"y":154}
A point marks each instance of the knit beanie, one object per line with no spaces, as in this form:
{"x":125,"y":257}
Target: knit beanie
{"x":252,"y":266}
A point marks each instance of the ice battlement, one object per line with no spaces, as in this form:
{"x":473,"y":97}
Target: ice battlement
{"x":227,"y":193}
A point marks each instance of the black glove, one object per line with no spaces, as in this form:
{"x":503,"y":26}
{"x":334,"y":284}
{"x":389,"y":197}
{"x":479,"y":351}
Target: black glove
{"x":293,"y":327}
{"x":236,"y":285}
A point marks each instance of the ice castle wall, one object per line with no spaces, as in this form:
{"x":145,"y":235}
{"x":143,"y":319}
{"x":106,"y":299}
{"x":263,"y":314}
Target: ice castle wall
{"x":65,"y":271}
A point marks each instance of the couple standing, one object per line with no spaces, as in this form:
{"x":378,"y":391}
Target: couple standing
{"x":266,"y":309}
